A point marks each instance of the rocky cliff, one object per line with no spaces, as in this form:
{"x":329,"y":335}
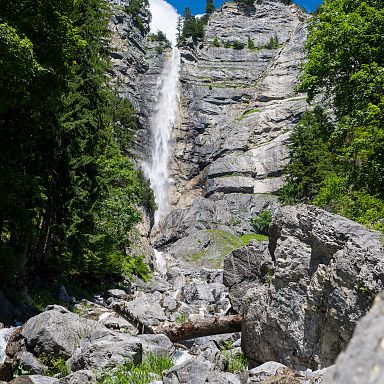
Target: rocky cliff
{"x":237,"y":109}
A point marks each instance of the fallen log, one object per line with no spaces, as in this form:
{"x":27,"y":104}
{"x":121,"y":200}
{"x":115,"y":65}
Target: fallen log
{"x":207,"y":327}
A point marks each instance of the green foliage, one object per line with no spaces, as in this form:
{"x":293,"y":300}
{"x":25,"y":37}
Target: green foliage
{"x":237,"y":45}
{"x":250,"y":43}
{"x":130,"y":373}
{"x":234,"y":361}
{"x":134,"y":9}
{"x":245,"y":2}
{"x":227,"y":44}
{"x":273,"y":43}
{"x":182,"y":318}
{"x":192,"y":26}
{"x":345,"y":61}
{"x":262,"y":221}
{"x":57,"y":366}
{"x":252,"y":236}
{"x":68,"y":190}
{"x":216,"y":42}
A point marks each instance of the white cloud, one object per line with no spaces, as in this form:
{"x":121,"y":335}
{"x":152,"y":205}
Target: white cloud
{"x":164,"y":18}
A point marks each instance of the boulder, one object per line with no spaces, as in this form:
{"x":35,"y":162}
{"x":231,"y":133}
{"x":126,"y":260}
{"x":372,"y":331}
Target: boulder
{"x":34,"y":379}
{"x":198,"y":372}
{"x":159,"y":345}
{"x":79,"y":377}
{"x":103,"y":350}
{"x":327,"y":270}
{"x":57,"y":332}
{"x":245,"y":268}
{"x":30,"y":363}
{"x":363,"y":360}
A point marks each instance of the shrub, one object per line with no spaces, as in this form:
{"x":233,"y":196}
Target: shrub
{"x":262,"y":221}
{"x":251,"y":44}
{"x":273,"y":43}
{"x":216,"y":42}
{"x":238,"y":45}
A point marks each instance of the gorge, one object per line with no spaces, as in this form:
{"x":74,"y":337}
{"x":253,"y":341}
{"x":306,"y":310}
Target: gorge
{"x":214,"y":117}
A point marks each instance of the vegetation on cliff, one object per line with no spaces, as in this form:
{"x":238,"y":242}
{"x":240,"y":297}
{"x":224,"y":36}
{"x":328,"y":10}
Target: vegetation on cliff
{"x":338,"y":157}
{"x":68,"y":190}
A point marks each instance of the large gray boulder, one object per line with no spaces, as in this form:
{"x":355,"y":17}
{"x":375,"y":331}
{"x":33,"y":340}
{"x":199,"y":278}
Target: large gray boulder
{"x":79,"y":377}
{"x":102,"y":351}
{"x":363,"y":360}
{"x":245,"y":268}
{"x":57,"y":332}
{"x":327,"y":270}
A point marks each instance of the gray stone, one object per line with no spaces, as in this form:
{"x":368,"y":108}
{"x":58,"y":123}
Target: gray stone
{"x":198,"y":372}
{"x":264,"y":371}
{"x":247,"y":268}
{"x":363,"y":360}
{"x":34,"y":379}
{"x":327,"y":270}
{"x":57,"y":332}
{"x":159,"y":345}
{"x":147,"y":308}
{"x":105,"y":350}
{"x":30,"y":363}
{"x":79,"y":377}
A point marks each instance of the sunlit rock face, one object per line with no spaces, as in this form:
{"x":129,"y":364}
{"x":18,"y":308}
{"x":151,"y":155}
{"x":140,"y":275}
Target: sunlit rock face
{"x":237,"y":109}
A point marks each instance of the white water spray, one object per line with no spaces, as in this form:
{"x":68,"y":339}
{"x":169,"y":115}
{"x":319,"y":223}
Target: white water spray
{"x":164,"y":117}
{"x":5,"y":334}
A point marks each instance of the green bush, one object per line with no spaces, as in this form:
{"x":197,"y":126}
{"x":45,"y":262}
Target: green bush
{"x":251,"y":44}
{"x":262,"y":221}
{"x":216,"y":42}
{"x":237,"y":45}
{"x":273,"y":43}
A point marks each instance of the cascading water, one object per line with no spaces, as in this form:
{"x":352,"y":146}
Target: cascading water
{"x":161,"y":125}
{"x":164,"y":117}
{"x":5,"y":334}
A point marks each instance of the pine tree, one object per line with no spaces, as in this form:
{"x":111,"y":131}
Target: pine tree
{"x":209,"y":7}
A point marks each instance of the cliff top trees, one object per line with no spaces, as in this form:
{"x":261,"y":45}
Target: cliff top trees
{"x":192,"y":26}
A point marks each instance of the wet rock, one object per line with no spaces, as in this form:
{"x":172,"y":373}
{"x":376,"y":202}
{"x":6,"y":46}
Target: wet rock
{"x":327,"y":269}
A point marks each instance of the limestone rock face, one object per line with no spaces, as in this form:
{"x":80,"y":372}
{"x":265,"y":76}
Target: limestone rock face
{"x":325,"y":271}
{"x":363,"y":360}
{"x":237,"y":108}
{"x":238,"y":105}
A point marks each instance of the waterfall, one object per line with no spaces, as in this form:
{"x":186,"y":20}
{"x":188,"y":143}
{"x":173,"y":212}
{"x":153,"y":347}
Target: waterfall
{"x":161,"y":124}
{"x":164,"y":18}
{"x":5,"y":334}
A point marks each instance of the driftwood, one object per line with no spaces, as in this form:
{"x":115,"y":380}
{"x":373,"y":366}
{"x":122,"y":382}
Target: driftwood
{"x":189,"y":330}
{"x":207,"y":327}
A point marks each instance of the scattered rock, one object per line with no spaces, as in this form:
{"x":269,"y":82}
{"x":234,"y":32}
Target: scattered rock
{"x":79,"y":377}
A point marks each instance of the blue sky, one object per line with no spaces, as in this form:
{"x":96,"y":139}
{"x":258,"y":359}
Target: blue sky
{"x":198,"y":6}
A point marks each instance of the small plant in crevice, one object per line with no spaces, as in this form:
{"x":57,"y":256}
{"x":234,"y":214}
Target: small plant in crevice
{"x":273,"y":42}
{"x":181,"y":318}
{"x":262,"y":221}
{"x":216,"y":42}
{"x":57,"y":366}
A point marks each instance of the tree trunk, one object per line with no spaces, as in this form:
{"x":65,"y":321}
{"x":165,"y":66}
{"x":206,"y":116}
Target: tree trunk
{"x":178,"y":332}
{"x":207,"y":327}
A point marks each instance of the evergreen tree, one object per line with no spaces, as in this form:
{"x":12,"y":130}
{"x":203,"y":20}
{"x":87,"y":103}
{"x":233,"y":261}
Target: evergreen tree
{"x":209,"y":7}
{"x":345,"y":60}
